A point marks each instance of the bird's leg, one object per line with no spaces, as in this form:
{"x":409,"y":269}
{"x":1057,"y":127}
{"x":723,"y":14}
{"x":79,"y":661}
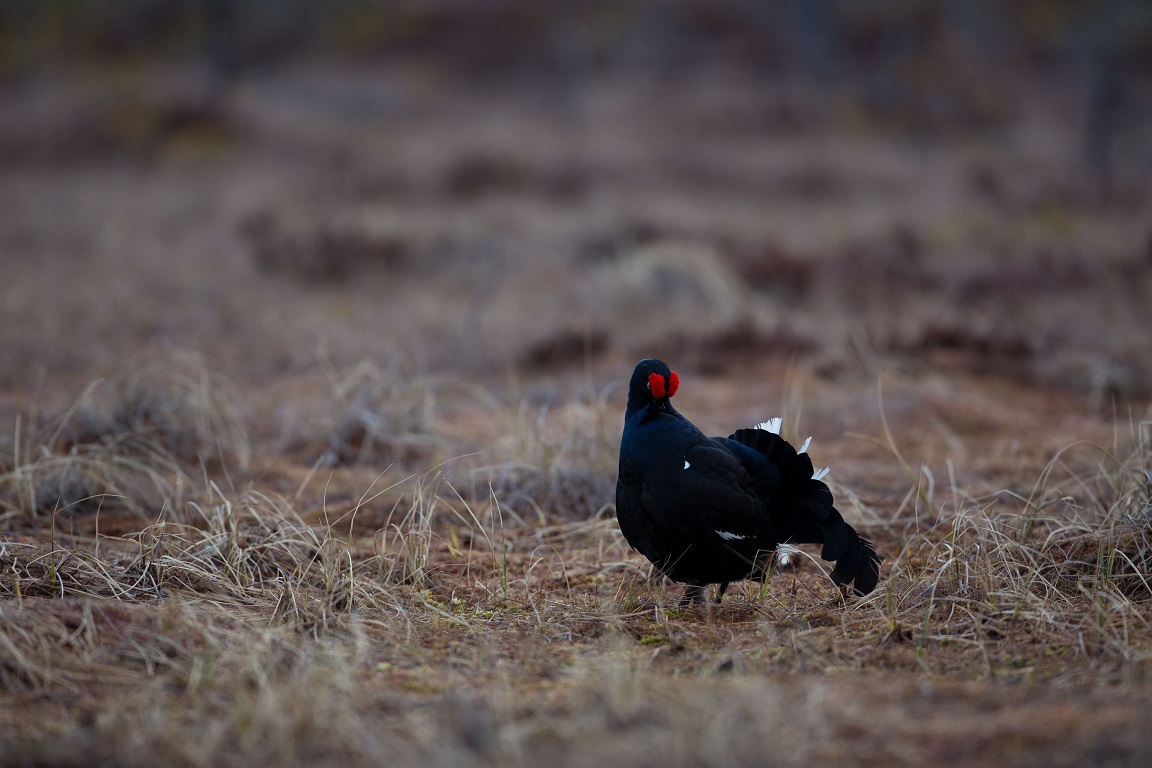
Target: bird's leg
{"x":721,"y":590}
{"x":693,"y":593}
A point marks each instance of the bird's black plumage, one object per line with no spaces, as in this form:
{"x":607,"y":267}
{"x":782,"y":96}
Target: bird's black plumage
{"x":710,"y":510}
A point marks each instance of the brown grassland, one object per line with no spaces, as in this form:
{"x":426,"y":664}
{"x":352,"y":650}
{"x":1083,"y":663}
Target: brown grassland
{"x":311,"y":394}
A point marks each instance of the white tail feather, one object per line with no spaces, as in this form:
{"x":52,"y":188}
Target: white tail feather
{"x":772,"y":425}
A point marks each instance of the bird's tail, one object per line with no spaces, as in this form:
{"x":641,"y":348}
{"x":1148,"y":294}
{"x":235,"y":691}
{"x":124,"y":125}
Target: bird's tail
{"x":807,"y":514}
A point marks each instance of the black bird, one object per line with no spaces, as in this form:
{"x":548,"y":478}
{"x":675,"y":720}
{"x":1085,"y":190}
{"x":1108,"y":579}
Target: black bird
{"x":711,"y":510}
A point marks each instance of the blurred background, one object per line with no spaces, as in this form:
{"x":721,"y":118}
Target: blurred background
{"x":520,"y":188}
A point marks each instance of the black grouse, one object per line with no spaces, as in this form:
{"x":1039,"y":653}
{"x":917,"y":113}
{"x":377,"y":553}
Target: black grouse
{"x":711,"y":510}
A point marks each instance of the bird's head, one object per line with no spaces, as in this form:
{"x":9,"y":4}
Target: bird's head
{"x":653,"y":383}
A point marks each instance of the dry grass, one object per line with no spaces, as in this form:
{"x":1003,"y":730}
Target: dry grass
{"x":238,"y":627}
{"x":352,"y":503}
{"x":128,"y":444}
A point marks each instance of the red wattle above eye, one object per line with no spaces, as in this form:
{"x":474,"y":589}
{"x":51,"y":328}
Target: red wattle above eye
{"x":656,"y":384}
{"x":659,"y":388}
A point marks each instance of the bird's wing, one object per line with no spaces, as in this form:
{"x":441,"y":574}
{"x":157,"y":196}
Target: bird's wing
{"x":719,"y":487}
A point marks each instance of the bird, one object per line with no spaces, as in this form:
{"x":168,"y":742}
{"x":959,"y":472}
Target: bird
{"x":713,"y":510}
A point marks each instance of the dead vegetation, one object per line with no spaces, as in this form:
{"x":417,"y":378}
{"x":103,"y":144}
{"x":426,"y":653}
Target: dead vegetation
{"x":511,"y":624}
{"x":311,"y":383}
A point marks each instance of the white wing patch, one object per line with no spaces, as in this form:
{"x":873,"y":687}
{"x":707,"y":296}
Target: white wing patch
{"x":728,"y":536}
{"x":686,"y":464}
{"x":773,"y":425}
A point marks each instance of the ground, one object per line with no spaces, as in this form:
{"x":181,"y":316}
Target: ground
{"x":311,"y":392}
